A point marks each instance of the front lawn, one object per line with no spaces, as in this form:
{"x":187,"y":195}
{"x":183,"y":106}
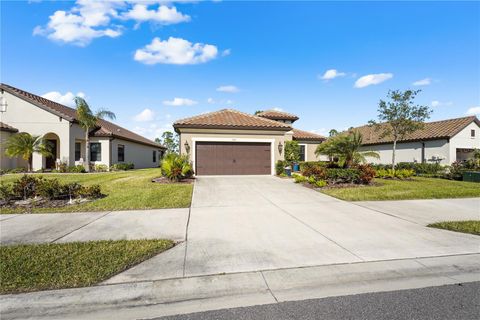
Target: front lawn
{"x":417,"y":188}
{"x":469,"y":226}
{"x":125,"y":190}
{"x":34,"y":267}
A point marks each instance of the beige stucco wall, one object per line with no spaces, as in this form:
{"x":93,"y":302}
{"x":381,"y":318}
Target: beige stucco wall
{"x":310,"y":148}
{"x":29,"y":118}
{"x":193,"y":135}
{"x":463,"y":140}
{"x":411,"y":152}
{"x":140,"y":155}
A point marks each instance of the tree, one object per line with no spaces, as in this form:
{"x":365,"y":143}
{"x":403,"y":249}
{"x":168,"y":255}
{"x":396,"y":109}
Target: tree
{"x":332,"y":133}
{"x":88,"y":120}
{"x":346,"y":147}
{"x":170,"y":141}
{"x":400,"y":116}
{"x":258,"y":112}
{"x":24,"y":145}
{"x":292,"y":151}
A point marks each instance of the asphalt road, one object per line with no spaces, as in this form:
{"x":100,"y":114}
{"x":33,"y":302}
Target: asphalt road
{"x":444,"y":302}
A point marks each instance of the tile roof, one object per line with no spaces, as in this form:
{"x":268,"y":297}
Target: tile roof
{"x":305,"y":135}
{"x":6,"y":127}
{"x":105,"y":128}
{"x":432,"y":130}
{"x":230,"y":119}
{"x":277,"y":115}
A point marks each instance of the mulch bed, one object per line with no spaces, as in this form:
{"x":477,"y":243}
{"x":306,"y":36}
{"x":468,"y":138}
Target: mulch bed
{"x":42,"y":203}
{"x":164,"y":180}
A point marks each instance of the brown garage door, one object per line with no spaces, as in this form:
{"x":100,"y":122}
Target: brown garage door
{"x":235,"y":158}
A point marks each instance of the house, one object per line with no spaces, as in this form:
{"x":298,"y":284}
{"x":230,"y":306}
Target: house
{"x":441,"y":142}
{"x":22,"y":111}
{"x":230,"y":142}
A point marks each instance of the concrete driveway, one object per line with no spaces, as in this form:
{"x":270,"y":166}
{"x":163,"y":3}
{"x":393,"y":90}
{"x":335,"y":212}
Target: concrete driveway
{"x":251,"y":223}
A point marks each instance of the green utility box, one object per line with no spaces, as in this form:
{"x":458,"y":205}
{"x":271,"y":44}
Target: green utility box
{"x":471,"y":176}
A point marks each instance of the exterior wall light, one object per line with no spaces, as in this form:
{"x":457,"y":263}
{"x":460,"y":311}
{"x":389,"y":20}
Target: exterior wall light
{"x":280,"y":148}
{"x":187,"y":147}
{"x":3,"y":104}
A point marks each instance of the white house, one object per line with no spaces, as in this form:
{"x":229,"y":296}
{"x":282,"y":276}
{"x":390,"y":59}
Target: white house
{"x":22,"y":111}
{"x":442,"y":142}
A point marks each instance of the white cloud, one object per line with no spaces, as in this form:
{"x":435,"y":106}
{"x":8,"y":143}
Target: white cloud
{"x":145,"y":115}
{"x":322,"y":131}
{"x":277,"y":109}
{"x":229,"y":102}
{"x":66,"y":99}
{"x":332,"y":74}
{"x":175,"y":51}
{"x":177,"y":102}
{"x":211,"y":100}
{"x":422,"y":82}
{"x":229,"y":89}
{"x":436,"y":103}
{"x":371,"y":79}
{"x":226,"y":52}
{"x":473,"y":111}
{"x":89,"y":19}
{"x":153,"y":130}
{"x":164,"y":15}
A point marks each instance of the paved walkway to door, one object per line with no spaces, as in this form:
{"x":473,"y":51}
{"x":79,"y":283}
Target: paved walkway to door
{"x":251,"y":223}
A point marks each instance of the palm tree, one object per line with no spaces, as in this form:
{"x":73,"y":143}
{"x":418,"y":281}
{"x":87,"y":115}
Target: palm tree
{"x":346,"y":148}
{"x":24,"y":145}
{"x":88,"y":120}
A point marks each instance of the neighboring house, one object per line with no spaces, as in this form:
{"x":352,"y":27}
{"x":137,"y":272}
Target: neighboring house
{"x":230,"y":142}
{"x":109,"y":143}
{"x":441,"y":142}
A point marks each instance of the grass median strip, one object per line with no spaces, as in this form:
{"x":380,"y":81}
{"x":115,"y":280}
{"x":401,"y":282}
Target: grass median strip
{"x":125,"y":190}
{"x":468,"y":226}
{"x":416,"y":188}
{"x":33,"y":267}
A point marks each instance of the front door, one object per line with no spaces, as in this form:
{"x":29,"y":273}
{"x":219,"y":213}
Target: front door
{"x":50,"y":161}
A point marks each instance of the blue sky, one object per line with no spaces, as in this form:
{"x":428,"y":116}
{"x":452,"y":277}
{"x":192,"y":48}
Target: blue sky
{"x":244,"y":55}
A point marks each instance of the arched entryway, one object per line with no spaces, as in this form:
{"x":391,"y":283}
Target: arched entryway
{"x":54,"y":142}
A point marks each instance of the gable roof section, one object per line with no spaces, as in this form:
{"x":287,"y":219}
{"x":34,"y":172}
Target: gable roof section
{"x":444,"y":129}
{"x":7,"y":128}
{"x":307,"y":136}
{"x":230,"y":119}
{"x":277,"y":115}
{"x":104,"y":129}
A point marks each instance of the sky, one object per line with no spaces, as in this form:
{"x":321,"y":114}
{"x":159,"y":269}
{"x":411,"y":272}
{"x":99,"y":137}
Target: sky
{"x":153,"y":62}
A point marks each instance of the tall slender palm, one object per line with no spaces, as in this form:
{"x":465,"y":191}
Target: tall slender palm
{"x":88,"y":120}
{"x":346,"y":147}
{"x":24,"y":145}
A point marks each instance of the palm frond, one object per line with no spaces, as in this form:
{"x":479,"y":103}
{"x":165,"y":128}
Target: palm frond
{"x":102,"y":114}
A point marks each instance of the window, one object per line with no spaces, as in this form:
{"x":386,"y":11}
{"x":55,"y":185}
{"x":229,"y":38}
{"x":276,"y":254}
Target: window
{"x":472,"y":133}
{"x":121,"y":153}
{"x":154,"y":154}
{"x":78,"y":151}
{"x":302,"y":152}
{"x":95,"y":151}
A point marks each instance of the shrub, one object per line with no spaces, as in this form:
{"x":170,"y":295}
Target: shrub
{"x":62,"y":167}
{"x":100,"y":168}
{"x":320,"y":183}
{"x":399,"y":174}
{"x":90,"y":192}
{"x":292,"y":151}
{"x":50,"y":189}
{"x":336,"y":176}
{"x":367,"y":173}
{"x":311,"y":180}
{"x":299,"y":179}
{"x":76,"y":169}
{"x":176,"y":167}
{"x":6,"y":192}
{"x":25,"y":187}
{"x":314,"y":169}
{"x":280,"y":167}
{"x":421,"y":168}
{"x":122,"y":166}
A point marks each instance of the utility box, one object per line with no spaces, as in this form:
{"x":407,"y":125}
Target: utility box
{"x":471,"y":176}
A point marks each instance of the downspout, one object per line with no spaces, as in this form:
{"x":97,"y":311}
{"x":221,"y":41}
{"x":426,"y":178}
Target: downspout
{"x":111,"y":153}
{"x":423,"y":152}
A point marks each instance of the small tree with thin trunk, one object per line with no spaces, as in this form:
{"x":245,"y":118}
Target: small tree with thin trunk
{"x":400,"y":116}
{"x":24,"y":145}
{"x":88,"y":120}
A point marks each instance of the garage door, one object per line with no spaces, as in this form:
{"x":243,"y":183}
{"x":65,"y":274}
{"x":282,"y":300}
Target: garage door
{"x":232,"y":158}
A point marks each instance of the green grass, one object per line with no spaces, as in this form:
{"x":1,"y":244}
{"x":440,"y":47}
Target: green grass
{"x":125,"y":190}
{"x":417,"y":188}
{"x":469,"y":226}
{"x":33,"y":267}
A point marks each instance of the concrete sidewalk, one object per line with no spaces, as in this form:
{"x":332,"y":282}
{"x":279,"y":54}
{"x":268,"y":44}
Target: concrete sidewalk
{"x":424,"y":212}
{"x":117,"y":225}
{"x":150,"y":299}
